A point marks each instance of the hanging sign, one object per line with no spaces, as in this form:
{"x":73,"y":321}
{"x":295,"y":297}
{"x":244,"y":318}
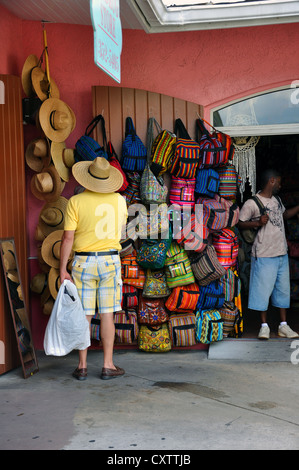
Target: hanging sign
{"x":107,"y":36}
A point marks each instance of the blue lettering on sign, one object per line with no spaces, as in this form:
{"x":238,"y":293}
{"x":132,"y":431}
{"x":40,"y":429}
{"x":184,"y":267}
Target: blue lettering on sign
{"x":107,"y":36}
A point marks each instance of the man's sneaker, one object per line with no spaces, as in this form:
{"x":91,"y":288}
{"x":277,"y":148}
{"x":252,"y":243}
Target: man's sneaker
{"x":264,"y":332}
{"x":286,"y":332}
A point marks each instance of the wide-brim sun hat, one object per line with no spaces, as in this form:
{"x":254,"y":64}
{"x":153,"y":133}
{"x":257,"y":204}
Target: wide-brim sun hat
{"x":47,"y":185}
{"x":57,"y":120}
{"x":41,"y":85}
{"x":98,"y":176}
{"x":37,"y":154}
{"x":50,"y":249}
{"x":29,"y":64}
{"x":54,"y":282}
{"x":51,"y":216}
{"x":63,"y":159}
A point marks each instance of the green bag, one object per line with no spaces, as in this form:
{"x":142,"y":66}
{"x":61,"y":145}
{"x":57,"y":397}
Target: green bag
{"x":177,"y":267}
{"x":152,"y":253}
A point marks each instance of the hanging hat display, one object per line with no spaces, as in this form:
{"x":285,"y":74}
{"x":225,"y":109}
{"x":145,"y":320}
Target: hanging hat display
{"x":41,"y":85}
{"x":51,"y":249}
{"x":31,"y":62}
{"x":63,"y":159}
{"x":38,"y":283}
{"x":56,"y":119}
{"x":51,"y":217}
{"x":54,"y":282}
{"x":48,"y":306}
{"x":47,"y":185}
{"x":38,"y":154}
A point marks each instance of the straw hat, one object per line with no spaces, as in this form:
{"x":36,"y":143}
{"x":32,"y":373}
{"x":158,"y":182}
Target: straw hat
{"x":9,"y":259}
{"x":56,"y":119}
{"x":98,"y":176}
{"x":63,"y":159}
{"x":31,"y":62}
{"x":41,"y":86}
{"x":38,"y":235}
{"x":51,"y":249}
{"x":48,"y":306}
{"x":54,"y":282}
{"x":38,"y":283}
{"x":51,"y":217}
{"x":13,"y":275}
{"x":38,"y":154}
{"x":47,"y":185}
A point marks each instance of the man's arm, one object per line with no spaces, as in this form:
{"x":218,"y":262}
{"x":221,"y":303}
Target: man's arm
{"x":253,"y":223}
{"x":289,"y":213}
{"x":65,"y":251}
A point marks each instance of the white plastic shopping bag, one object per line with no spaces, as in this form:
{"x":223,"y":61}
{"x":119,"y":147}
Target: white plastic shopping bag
{"x":68,"y":327}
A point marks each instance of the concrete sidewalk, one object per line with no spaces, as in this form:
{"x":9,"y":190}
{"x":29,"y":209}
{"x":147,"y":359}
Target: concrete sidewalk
{"x":170,"y":401}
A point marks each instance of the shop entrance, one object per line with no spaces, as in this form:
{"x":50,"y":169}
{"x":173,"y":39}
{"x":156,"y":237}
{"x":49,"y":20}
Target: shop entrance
{"x":282,"y":153}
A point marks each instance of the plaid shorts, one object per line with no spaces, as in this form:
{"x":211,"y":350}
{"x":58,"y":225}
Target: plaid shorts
{"x":98,"y":281}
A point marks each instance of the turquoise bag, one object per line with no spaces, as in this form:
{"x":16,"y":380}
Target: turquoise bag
{"x":152,"y":253}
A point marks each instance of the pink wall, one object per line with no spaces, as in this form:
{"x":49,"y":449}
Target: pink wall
{"x":207,"y":67}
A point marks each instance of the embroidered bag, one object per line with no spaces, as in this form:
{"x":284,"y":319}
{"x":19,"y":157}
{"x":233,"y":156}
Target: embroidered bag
{"x":212,"y":151}
{"x":182,"y":191}
{"x":126,"y":326}
{"x":182,"y":329}
{"x":86,"y":147}
{"x":207,"y":182}
{"x":152,"y":253}
{"x":154,"y":338}
{"x":183,"y":298}
{"x":210,"y":296}
{"x":113,"y":160}
{"x":187,"y":154}
{"x":229,"y":314}
{"x":177,"y":267}
{"x":153,"y":223}
{"x":152,"y":312}
{"x":155,"y":284}
{"x":209,"y":326}
{"x":133,"y":150}
{"x":132,"y":273}
{"x":205,"y":266}
{"x":226,"y":245}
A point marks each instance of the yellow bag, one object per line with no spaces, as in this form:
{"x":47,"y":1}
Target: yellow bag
{"x":154,"y":338}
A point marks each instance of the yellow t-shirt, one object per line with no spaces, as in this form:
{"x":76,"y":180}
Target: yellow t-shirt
{"x":97,"y":219}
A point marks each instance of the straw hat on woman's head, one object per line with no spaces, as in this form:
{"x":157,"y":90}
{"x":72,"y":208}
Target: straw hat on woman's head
{"x":56,"y":119}
{"x":98,"y":176}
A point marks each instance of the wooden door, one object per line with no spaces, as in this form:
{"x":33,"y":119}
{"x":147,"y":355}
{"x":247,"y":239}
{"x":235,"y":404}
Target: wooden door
{"x":12,"y":205}
{"x":116,"y":104}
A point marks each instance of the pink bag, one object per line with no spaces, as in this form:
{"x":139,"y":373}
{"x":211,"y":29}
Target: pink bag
{"x":182,"y":191}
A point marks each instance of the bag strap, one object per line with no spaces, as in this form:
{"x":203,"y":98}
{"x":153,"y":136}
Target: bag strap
{"x":259,"y":204}
{"x":130,"y":129}
{"x":92,"y":125}
{"x":180,"y":130}
{"x":150,"y":135}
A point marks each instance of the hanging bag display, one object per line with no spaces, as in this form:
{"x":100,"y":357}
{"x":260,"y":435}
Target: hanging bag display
{"x":113,"y":160}
{"x":152,"y":253}
{"x":162,"y":152}
{"x":182,"y":329}
{"x":228,"y":182}
{"x":152,"y":312}
{"x":134,"y":154}
{"x":187,"y":154}
{"x":209,"y":326}
{"x":212,"y":151}
{"x":155,"y":284}
{"x":211,"y":296}
{"x":207,"y":182}
{"x":226,"y":245}
{"x":183,"y":298}
{"x":177,"y":267}
{"x":182,"y":191}
{"x":86,"y":147}
{"x":193,"y":234}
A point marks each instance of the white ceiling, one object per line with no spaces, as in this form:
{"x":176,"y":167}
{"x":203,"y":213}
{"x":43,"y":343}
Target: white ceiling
{"x":65,"y":11}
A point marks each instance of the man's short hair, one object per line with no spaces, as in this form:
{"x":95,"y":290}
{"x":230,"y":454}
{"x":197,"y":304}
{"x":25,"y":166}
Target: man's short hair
{"x":267,"y":174}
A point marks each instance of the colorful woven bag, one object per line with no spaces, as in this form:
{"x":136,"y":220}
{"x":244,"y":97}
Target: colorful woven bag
{"x":152,"y":253}
{"x":212,"y":151}
{"x":182,"y":329}
{"x":183,"y":298}
{"x":126,"y":326}
{"x":155,"y":284}
{"x":162,"y":152}
{"x":231,"y":285}
{"x":209,"y":326}
{"x":193,"y":235}
{"x":210,"y":296}
{"x":129,"y":297}
{"x":151,"y":312}
{"x":86,"y":148}
{"x":226,"y":245}
{"x":132,"y":191}
{"x":182,"y":191}
{"x":154,"y":338}
{"x":228,"y":182}
{"x":207,"y":182}
{"x":177,"y":267}
{"x":229,"y":314}
{"x":187,"y":154}
{"x":153,"y":190}
{"x":214,"y":214}
{"x":132,"y":273}
{"x":134,"y":154}
{"x":206,"y":267}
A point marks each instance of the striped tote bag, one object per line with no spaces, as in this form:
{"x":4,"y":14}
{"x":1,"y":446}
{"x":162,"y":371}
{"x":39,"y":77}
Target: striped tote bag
{"x":210,"y":296}
{"x":206,"y":267}
{"x":193,"y":235}
{"x":228,"y":182}
{"x":183,"y":298}
{"x":134,"y":152}
{"x":214,"y":214}
{"x":207,"y":182}
{"x":229,"y":314}
{"x":177,"y":267}
{"x":126,"y":326}
{"x":182,"y":329}
{"x":226,"y":245}
{"x":182,"y":191}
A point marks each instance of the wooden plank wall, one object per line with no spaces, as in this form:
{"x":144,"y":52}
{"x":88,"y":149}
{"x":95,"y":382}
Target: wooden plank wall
{"x":116,"y":104}
{"x":12,"y":203}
